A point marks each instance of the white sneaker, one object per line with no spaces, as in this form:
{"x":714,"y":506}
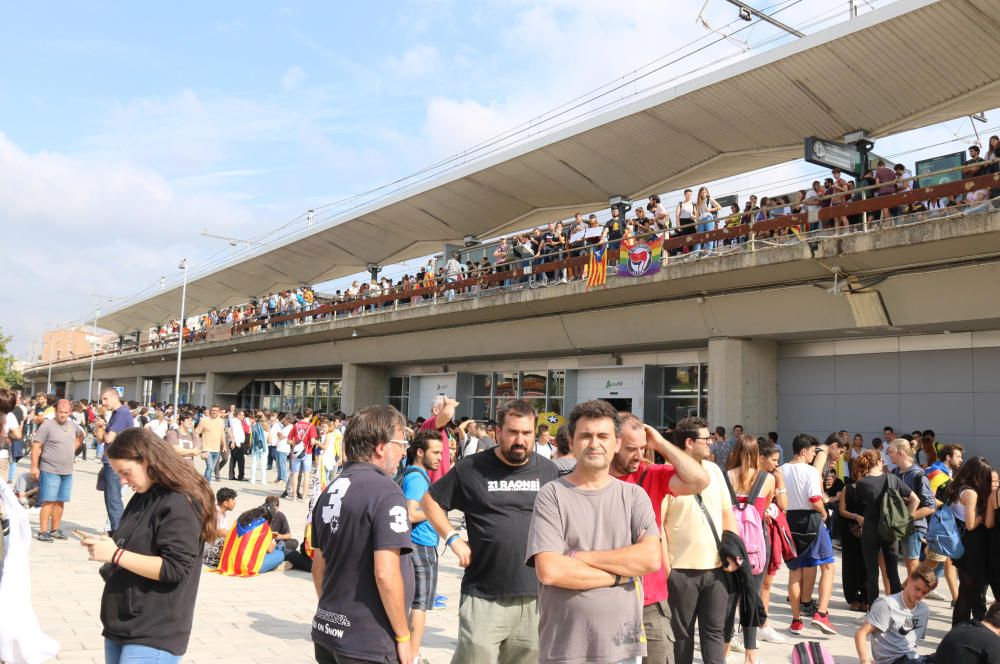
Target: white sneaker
{"x":935,"y":595}
{"x":736,"y":645}
{"x":769,"y":635}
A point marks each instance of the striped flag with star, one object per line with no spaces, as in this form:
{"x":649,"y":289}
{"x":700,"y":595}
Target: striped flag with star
{"x":597,"y":268}
{"x":244,"y":549}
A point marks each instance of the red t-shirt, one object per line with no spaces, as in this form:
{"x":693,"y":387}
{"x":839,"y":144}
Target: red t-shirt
{"x":304,"y":431}
{"x":656,"y":484}
{"x":445,"y":466}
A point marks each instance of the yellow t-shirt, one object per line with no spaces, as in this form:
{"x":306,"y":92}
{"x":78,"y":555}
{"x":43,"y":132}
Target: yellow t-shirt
{"x":689,"y":537}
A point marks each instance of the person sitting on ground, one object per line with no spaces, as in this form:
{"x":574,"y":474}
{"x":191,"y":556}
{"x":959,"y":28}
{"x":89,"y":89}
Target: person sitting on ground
{"x":26,"y":490}
{"x":225,"y":503}
{"x":250,"y":548}
{"x":895,"y":623}
{"x":973,"y":642}
{"x":280,"y":529}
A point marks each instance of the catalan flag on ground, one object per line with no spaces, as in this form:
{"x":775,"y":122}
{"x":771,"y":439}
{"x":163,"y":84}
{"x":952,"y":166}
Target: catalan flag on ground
{"x":597,"y":268}
{"x":244,"y":549}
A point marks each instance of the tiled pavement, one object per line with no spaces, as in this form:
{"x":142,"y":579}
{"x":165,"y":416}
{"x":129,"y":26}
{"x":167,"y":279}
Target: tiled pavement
{"x":266,"y":619}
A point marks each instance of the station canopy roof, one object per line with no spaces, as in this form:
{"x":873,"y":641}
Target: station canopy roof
{"x":904,"y":66}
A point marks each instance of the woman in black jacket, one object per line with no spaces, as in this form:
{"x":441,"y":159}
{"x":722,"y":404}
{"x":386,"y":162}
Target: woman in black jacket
{"x":151,"y":565}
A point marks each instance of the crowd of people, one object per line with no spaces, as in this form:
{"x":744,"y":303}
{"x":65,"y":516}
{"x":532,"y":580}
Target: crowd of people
{"x":515,"y":260}
{"x":610,"y":541}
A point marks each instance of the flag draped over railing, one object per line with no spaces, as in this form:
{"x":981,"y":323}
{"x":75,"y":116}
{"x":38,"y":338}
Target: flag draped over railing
{"x":597,"y":268}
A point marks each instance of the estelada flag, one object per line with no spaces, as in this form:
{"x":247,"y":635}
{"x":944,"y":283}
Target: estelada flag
{"x":244,"y":549}
{"x":597,"y":268}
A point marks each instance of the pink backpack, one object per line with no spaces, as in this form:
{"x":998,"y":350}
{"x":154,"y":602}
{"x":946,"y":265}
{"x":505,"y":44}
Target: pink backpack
{"x":811,"y":652}
{"x":749,"y":526}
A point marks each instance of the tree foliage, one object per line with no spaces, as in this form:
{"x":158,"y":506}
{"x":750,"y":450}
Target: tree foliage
{"x":9,"y":375}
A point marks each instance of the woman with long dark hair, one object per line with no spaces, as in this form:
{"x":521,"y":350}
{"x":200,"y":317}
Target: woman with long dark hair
{"x":973,"y":503}
{"x":151,"y":564}
{"x":754,"y":488}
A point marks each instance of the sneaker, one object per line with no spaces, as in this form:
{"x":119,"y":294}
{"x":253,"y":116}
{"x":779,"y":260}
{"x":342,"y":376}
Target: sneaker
{"x":440,"y":598}
{"x":796,"y":627}
{"x":736,"y":645}
{"x":935,"y":595}
{"x":44,"y":537}
{"x":823,"y":624}
{"x":57,"y":534}
{"x":284,"y":494}
{"x":438,"y":605}
{"x":770,"y":635}
{"x":808,"y":608}
{"x":285,"y":566}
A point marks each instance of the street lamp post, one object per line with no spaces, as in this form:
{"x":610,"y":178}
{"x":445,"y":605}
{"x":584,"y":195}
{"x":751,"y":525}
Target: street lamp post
{"x":180,"y":341}
{"x":48,"y":382}
{"x":93,"y":352}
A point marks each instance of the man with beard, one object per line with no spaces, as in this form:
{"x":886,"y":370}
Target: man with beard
{"x":496,"y":489}
{"x":681,"y":475}
{"x":423,"y":456}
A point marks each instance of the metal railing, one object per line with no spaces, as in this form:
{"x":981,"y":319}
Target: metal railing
{"x":678,"y":246}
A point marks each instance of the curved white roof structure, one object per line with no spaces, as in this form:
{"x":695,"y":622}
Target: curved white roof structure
{"x":753,"y":114}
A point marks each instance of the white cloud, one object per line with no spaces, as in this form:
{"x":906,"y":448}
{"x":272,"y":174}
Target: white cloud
{"x":415,"y":62}
{"x":292,"y":78}
{"x":88,"y":225}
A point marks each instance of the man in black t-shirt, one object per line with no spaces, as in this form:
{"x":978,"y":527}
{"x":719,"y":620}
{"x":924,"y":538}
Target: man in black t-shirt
{"x":361,"y":542}
{"x":496,"y":489}
{"x":973,"y":642}
{"x":614,"y":231}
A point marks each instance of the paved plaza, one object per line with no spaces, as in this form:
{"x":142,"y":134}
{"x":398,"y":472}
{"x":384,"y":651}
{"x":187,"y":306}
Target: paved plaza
{"x":266,"y":619}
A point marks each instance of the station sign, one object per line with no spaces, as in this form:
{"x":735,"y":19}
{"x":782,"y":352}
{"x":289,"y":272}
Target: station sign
{"x":850,"y":158}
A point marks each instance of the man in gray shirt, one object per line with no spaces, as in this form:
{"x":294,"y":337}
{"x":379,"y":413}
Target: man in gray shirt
{"x":895,"y":623}
{"x":590,"y":538}
{"x":53,"y":447}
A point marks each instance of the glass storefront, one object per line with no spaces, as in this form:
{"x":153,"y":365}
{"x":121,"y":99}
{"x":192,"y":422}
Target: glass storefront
{"x":545,"y":390}
{"x":291,"y":396}
{"x":683,"y":393}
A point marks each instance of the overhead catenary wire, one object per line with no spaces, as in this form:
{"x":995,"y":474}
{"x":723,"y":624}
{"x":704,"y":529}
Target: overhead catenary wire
{"x":552,"y":120}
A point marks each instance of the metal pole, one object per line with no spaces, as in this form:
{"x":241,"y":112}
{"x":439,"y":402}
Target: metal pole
{"x":309,"y":220}
{"x":180,"y":340}
{"x":48,"y":387}
{"x":854,"y":8}
{"x":93,"y":352}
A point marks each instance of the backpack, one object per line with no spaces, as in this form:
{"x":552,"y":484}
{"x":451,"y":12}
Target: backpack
{"x":943,"y":535}
{"x":402,"y":475}
{"x":811,"y":652}
{"x":894,"y":522}
{"x":749,"y":526}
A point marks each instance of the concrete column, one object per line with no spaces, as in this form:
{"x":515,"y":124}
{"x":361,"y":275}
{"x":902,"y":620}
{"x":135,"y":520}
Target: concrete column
{"x":212,"y":380}
{"x":139,"y":396}
{"x":362,"y":385}
{"x":743,"y":385}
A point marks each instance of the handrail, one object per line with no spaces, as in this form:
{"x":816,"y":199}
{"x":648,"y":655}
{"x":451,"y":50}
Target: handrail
{"x":508,"y":271}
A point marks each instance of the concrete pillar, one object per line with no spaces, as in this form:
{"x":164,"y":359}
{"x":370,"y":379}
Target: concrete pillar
{"x":362,"y":385}
{"x":212,"y":380}
{"x":139,"y":396}
{"x":743,"y":385}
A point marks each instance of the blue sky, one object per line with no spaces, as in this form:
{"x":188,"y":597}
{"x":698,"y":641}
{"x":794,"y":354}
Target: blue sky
{"x":128,"y":128}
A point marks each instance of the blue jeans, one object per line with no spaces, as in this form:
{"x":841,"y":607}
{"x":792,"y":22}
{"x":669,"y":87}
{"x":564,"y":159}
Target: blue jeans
{"x":99,"y":450}
{"x":282,"y":463}
{"x":272,"y":560}
{"x":210,"y":462}
{"x":131,"y":653}
{"x":112,"y":495}
{"x":705,"y":224}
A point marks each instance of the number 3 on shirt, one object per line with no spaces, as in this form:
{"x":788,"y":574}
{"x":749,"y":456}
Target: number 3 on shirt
{"x":398,"y":523}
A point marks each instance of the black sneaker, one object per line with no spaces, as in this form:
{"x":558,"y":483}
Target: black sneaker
{"x":284,"y":495}
{"x":44,"y":537}
{"x":57,"y":534}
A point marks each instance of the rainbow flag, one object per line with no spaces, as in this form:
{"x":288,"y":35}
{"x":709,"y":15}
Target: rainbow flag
{"x":244,"y":549}
{"x":640,"y":258}
{"x":597,"y":268}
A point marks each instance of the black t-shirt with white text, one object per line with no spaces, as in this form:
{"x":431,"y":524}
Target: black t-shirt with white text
{"x":360,"y":512}
{"x":497,"y":500}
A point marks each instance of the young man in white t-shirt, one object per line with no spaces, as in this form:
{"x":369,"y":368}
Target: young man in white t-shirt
{"x":895,"y":623}
{"x":806,"y":516}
